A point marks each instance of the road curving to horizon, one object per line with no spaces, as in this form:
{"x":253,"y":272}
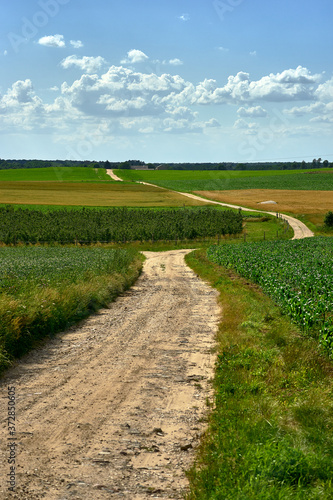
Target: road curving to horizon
{"x":300,"y":229}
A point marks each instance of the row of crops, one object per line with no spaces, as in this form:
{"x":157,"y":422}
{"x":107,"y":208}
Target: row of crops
{"x":297,"y":274}
{"x":114,"y":224}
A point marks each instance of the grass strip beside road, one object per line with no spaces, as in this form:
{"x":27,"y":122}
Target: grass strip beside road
{"x":43,"y":290}
{"x":270,"y":430}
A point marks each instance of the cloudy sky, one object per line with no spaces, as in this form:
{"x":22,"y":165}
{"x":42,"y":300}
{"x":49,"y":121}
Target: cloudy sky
{"x":166,"y":80}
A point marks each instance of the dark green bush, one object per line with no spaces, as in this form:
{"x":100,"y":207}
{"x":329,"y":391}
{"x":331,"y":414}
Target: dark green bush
{"x":328,"y":221}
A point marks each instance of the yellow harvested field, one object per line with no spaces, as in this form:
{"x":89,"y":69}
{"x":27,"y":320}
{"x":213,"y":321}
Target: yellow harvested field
{"x":297,"y":202}
{"x":90,"y":194}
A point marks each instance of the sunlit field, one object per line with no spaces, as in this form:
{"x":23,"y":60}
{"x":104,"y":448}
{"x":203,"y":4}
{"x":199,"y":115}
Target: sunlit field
{"x":90,"y":194}
{"x":59,"y":174}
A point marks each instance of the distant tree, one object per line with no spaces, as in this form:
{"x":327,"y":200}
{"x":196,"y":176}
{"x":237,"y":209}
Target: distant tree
{"x":125,"y":165}
{"x":325,"y":163}
{"x":328,"y":221}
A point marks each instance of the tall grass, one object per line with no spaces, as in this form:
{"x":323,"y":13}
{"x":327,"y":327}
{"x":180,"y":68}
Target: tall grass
{"x":44,"y":290}
{"x":270,"y":428}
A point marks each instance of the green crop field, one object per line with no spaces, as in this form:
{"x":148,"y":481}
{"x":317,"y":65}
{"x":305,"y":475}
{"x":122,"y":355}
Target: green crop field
{"x":269,"y":431}
{"x":298,"y":275}
{"x":115,"y":224}
{"x":193,"y":180}
{"x":44,"y":289}
{"x":60,"y":174}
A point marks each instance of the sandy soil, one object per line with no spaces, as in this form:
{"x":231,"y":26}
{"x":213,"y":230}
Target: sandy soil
{"x":111,"y":173}
{"x":296,"y":202}
{"x":113,"y":408}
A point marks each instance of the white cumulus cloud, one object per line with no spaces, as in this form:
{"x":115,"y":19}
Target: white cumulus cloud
{"x":255,"y":111}
{"x":212,"y":123}
{"x":20,"y":107}
{"x":77,"y":44}
{"x":135,"y":56}
{"x":53,"y":41}
{"x":132,"y":102}
{"x":122,"y":91}
{"x":88,"y":64}
{"x":290,"y":85}
{"x":324,"y":91}
{"x":175,"y":62}
{"x":243,"y":124}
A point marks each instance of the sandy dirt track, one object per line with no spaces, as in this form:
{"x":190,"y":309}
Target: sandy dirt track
{"x":113,"y":176}
{"x":300,"y":229}
{"x":113,"y":407}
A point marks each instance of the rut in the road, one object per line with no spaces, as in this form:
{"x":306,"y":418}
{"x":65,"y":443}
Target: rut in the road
{"x":114,"y":408}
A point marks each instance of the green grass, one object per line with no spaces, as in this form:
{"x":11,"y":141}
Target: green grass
{"x":187,"y":181}
{"x":60,"y":174}
{"x":45,"y":289}
{"x":270,"y":429}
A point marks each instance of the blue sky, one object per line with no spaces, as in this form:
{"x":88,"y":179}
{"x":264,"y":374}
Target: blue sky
{"x":166,"y":80}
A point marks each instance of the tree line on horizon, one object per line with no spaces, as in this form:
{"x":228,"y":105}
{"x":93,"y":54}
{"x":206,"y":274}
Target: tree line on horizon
{"x":294,"y":165}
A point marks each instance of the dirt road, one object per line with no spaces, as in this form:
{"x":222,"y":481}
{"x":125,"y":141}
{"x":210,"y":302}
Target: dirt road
{"x":113,"y":408}
{"x":300,"y":229}
{"x":113,"y":176}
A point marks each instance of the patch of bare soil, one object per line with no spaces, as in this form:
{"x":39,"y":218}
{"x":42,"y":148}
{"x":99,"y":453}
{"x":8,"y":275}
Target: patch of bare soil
{"x":115,"y":407}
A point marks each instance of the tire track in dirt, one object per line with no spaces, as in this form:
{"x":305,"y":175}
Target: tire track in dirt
{"x":113,"y":408}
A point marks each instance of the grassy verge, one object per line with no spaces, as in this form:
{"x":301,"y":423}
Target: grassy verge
{"x":270,"y":431}
{"x":44,"y":290}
